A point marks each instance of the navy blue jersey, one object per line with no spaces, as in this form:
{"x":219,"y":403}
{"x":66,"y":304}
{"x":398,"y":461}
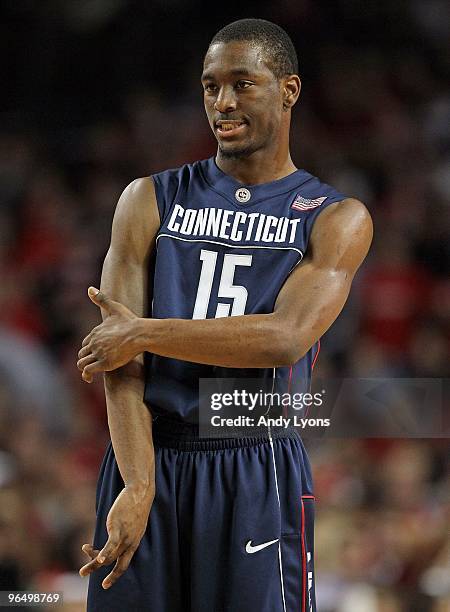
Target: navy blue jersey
{"x":225,"y":249}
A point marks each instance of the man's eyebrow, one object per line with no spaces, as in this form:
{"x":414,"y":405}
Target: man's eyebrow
{"x":209,"y":76}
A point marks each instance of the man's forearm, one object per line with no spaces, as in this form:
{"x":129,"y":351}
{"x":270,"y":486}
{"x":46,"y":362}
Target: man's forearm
{"x":130,"y":426}
{"x":250,"y":341}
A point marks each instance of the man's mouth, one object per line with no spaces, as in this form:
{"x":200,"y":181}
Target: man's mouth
{"x":228,"y":128}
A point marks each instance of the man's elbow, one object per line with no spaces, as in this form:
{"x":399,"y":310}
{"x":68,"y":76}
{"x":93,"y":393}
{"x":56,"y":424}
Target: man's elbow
{"x":286,"y":349}
{"x":289,"y":354}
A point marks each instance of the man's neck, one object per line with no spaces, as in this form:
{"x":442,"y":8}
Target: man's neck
{"x":257,"y":168}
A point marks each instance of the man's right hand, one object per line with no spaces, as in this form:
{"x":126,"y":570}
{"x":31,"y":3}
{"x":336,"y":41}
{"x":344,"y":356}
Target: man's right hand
{"x":126,"y":524}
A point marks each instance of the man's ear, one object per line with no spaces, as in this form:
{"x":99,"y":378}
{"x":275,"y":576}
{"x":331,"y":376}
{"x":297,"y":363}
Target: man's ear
{"x":291,"y":90}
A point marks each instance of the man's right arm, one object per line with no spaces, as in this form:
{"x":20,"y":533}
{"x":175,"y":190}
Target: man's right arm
{"x":124,"y":276}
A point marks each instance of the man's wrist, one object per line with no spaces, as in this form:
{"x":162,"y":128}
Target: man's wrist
{"x":141,"y":491}
{"x":142,"y":334}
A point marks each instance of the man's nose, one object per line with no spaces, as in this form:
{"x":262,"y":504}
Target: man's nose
{"x":225,"y":101}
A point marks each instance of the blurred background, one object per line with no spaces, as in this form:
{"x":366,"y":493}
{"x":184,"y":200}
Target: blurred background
{"x":98,"y":92}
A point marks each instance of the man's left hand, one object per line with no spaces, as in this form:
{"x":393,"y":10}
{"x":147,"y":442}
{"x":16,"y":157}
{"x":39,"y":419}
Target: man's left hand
{"x":111,"y":344}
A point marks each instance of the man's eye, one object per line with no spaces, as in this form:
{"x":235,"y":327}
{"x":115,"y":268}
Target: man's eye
{"x":243,"y":84}
{"x":210,"y":87}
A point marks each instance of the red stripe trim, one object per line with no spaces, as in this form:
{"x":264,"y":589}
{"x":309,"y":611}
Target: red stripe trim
{"x":304,"y":557}
{"x":316,"y":355}
{"x":312,"y":366}
{"x":304,"y":568}
{"x":312,"y":370}
{"x":285,"y":408}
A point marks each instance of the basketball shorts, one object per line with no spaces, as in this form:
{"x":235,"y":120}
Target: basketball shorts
{"x":230,"y":529}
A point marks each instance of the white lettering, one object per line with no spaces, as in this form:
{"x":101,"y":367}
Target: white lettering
{"x":215,"y":215}
{"x":235,"y":235}
{"x":178,"y":210}
{"x":270,"y":221}
{"x":294,"y":223}
{"x":252,"y":218}
{"x":259,"y":229}
{"x":200,"y":222}
{"x":232,"y":225}
{"x":225,"y":224}
{"x":280,"y":234}
{"x":188,"y":221}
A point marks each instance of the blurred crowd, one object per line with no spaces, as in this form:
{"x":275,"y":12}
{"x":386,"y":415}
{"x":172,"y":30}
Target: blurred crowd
{"x":104,"y":91}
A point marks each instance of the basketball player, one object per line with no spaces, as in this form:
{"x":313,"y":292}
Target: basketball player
{"x":251,"y":261}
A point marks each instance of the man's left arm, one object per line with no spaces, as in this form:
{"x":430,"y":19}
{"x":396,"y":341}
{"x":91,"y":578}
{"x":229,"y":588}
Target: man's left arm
{"x":307,"y":305}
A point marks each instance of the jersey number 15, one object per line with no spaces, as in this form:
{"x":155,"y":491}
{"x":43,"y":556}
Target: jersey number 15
{"x":237,"y":293}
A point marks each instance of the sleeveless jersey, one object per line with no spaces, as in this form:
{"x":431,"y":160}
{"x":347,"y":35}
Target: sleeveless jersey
{"x":225,"y":249}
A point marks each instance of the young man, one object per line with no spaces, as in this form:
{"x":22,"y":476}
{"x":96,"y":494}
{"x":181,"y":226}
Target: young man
{"x":251,"y":261}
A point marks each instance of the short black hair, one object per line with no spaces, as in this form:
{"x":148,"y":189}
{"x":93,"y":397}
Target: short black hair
{"x":275,"y":42}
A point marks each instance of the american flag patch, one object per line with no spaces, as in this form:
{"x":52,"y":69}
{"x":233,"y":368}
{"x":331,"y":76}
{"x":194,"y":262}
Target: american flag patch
{"x":301,"y":203}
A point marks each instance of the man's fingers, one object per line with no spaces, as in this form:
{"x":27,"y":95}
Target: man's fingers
{"x":87,"y":377}
{"x":86,"y":340}
{"x":82,"y":363}
{"x":106,"y":556}
{"x":100,"y":299}
{"x":85,"y":351}
{"x":96,"y":296}
{"x":90,"y":551}
{"x":103,"y":301}
{"x":95,"y":366}
{"x":120,"y":567}
{"x":110,"y":550}
{"x":90,"y":567}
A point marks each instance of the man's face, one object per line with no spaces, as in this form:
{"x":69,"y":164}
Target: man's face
{"x":243,"y":98}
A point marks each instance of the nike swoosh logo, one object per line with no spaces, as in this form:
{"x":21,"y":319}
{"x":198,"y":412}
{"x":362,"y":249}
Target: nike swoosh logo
{"x":253,"y":549}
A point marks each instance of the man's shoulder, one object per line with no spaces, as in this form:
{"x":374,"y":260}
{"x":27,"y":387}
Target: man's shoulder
{"x":185,"y":171}
{"x":346,"y":209}
{"x":344,"y":227}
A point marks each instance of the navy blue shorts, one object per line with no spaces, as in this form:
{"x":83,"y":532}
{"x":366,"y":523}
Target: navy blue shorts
{"x":230,"y":530}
